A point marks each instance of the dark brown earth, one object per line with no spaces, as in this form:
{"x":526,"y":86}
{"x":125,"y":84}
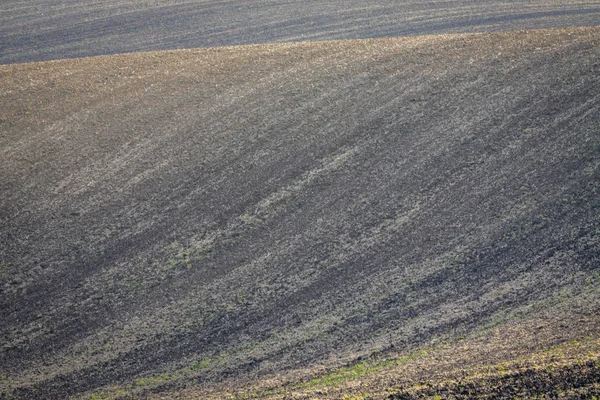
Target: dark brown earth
{"x":182,"y":219}
{"x":523,"y":384}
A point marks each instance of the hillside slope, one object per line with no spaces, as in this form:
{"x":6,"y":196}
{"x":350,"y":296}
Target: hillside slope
{"x":38,"y":30}
{"x":185,"y":218}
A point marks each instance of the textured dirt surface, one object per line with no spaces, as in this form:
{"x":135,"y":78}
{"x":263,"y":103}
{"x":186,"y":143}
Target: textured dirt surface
{"x":36,"y":30}
{"x":535,"y":356}
{"x":179,"y":219}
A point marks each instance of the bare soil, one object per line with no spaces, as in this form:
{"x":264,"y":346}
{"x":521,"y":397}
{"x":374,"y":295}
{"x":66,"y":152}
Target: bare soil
{"x":38,"y":30}
{"x":181,"y":220}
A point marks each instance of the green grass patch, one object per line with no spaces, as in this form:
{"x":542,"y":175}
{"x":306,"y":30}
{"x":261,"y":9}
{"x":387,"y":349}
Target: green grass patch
{"x":341,"y":375}
{"x":152,"y":381}
{"x":357,"y":371}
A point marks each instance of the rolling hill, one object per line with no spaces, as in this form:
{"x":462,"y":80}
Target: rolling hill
{"x":39,"y":30}
{"x":367,"y":213}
